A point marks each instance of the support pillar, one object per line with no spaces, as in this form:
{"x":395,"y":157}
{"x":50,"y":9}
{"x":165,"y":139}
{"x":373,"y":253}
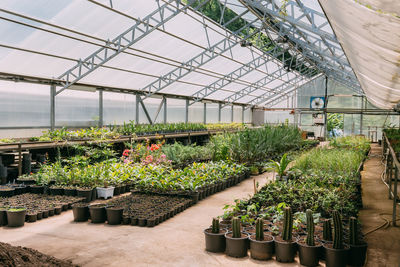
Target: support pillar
{"x":101,"y":111}
{"x":52,"y":106}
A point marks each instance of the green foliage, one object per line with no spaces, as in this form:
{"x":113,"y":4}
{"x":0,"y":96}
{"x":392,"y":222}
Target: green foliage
{"x":287,"y":224}
{"x":215,"y":226}
{"x":338,"y":230}
{"x":281,"y":166}
{"x":180,"y":154}
{"x":351,"y":142}
{"x":310,"y":228}
{"x":236,"y":233}
{"x":335,"y":121}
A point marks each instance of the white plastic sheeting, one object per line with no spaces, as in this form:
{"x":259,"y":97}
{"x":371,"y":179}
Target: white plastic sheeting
{"x":371,"y":41}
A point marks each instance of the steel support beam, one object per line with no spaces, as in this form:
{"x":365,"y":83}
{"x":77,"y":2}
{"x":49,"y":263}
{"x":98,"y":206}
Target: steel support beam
{"x":101,"y":111}
{"x":232,"y":113}
{"x":219,"y":112}
{"x":205,"y":113}
{"x":119,"y":44}
{"x":145,"y":109}
{"x":52,"y":106}
{"x":187,"y":111}
{"x":165,"y":110}
{"x":137,"y":109}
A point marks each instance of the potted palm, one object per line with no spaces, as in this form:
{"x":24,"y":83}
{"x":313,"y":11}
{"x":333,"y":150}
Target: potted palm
{"x":285,"y":245}
{"x":236,"y":241}
{"x":215,"y":237}
{"x":336,"y":253}
{"x":280,"y":168}
{"x":309,"y":250}
{"x":261,"y":245}
{"x":358,"y":247}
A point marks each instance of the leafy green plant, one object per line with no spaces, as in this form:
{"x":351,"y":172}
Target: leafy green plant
{"x":281,"y":166}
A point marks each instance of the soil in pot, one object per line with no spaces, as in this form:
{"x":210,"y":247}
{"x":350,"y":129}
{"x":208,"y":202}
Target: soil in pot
{"x":263,"y":249}
{"x":98,"y":213}
{"x":358,"y":254}
{"x":114,"y":215}
{"x":81,"y":212}
{"x":16,"y":217}
{"x":309,"y":255}
{"x":285,"y":251}
{"x":215,"y":242}
{"x":236,"y":247}
{"x":336,"y":257}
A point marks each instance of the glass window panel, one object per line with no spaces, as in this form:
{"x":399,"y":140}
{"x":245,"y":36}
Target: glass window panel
{"x":196,"y":112}
{"x":118,"y":108}
{"x":237,"y":114}
{"x":176,"y":110}
{"x":212,"y":113}
{"x":226,"y":114}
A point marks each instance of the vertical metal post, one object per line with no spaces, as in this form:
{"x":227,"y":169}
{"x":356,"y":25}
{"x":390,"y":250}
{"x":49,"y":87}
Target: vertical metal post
{"x":390,"y":166}
{"x":137,"y":109}
{"x":165,"y":109}
{"x":52,"y":106}
{"x":219,"y":112}
{"x":325,"y":107}
{"x":396,"y":177}
{"x":205,"y":113}
{"x":232,"y":113}
{"x":361,"y":115}
{"x":187,"y":111}
{"x":20,"y":159}
{"x":243,"y":114}
{"x":101,"y":108}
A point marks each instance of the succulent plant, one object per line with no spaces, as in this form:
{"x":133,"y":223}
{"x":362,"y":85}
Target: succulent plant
{"x":287,"y":224}
{"x":215,"y":226}
{"x":260,"y":229}
{"x":338,"y":228}
{"x":310,"y":228}
{"x":236,"y":228}
{"x":327,"y":230}
{"x":353,"y":231}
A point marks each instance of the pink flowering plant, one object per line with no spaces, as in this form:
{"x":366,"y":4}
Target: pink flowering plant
{"x":146,"y":154}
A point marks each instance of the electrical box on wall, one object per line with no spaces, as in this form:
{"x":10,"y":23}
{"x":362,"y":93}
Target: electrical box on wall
{"x":318,"y":119}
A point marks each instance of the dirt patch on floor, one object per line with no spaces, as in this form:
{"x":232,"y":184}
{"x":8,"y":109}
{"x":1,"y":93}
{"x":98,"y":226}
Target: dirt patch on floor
{"x":11,"y":256}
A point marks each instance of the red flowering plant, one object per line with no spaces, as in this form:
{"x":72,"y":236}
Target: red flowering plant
{"x":145,"y":154}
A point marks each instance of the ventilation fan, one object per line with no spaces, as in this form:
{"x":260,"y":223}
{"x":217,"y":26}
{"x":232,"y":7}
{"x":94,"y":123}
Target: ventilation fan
{"x":317,"y":102}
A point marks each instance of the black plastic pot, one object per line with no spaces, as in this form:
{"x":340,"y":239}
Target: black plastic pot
{"x":18,"y":190}
{"x":134,"y":221}
{"x":336,"y":257}
{"x":3,"y":216}
{"x":57,"y":191}
{"x":81,"y":212}
{"x":31,"y":217}
{"x":151,"y":222}
{"x":51,"y":212}
{"x":98,"y":213}
{"x":358,"y":254}
{"x":117,"y":190}
{"x":70,"y":192}
{"x":261,"y":250}
{"x":126,"y":219}
{"x":7,"y":192}
{"x":309,"y":255}
{"x":195,"y":197}
{"x":236,"y":247}
{"x":37,"y":189}
{"x":57,"y":210}
{"x":86,"y":193}
{"x":142,"y":222}
{"x":215,"y":242}
{"x":45,"y":214}
{"x":39,"y":215}
{"x":16,"y":218}
{"x":114,"y":215}
{"x":285,"y":251}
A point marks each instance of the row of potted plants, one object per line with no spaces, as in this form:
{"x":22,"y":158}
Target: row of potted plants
{"x":344,"y":246}
{"x":135,"y":209}
{"x":14,"y":211}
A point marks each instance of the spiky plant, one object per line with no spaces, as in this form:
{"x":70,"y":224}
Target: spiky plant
{"x":287,"y":224}
{"x":327,"y":230}
{"x":260,"y":229}
{"x":353,"y":231}
{"x":310,"y":228}
{"x":338,"y":228}
{"x":236,"y":228}
{"x":215,"y":226}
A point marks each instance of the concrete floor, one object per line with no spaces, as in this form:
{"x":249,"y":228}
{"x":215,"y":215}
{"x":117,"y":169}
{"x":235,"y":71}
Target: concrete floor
{"x":384,"y":244}
{"x":180,"y":240}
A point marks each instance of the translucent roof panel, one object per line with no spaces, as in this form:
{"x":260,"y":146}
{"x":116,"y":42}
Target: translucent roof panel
{"x":371,"y":45}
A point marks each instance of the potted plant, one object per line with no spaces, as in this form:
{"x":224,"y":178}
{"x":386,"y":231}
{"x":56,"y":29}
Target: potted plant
{"x":215,"y":237}
{"x":114,"y":215}
{"x":309,"y":250}
{"x":98,"y":213}
{"x":81,"y":212}
{"x":285,"y":245}
{"x":358,"y":248}
{"x":261,"y":245}
{"x":105,"y":191}
{"x":280,"y":168}
{"x":336,"y":253}
{"x":16,"y":216}
{"x":236,"y":241}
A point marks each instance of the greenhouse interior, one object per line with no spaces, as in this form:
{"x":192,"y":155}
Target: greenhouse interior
{"x":200,"y":133}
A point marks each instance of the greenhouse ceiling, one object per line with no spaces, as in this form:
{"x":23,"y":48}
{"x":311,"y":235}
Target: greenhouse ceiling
{"x":231,"y":51}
